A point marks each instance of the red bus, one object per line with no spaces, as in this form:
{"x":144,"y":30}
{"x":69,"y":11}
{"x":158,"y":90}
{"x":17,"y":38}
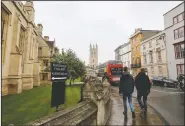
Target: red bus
{"x":111,"y":69}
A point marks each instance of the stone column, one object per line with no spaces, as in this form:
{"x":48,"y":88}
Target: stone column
{"x":36,"y":76}
{"x":27,"y":76}
{"x":15,"y":69}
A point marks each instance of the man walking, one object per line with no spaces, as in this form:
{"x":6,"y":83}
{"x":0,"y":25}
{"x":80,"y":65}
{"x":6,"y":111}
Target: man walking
{"x":126,"y":87}
{"x":143,"y":86}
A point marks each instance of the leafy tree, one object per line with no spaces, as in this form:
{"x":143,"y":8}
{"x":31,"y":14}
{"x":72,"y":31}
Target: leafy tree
{"x":76,"y":68}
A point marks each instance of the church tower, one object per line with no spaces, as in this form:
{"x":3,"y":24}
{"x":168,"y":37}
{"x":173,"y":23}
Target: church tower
{"x":93,"y":58}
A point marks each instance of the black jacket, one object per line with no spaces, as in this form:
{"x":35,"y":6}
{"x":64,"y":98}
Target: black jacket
{"x":126,"y":84}
{"x":142,"y":82}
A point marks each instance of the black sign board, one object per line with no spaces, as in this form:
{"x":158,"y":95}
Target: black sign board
{"x":58,"y":76}
{"x":58,"y":71}
{"x":58,"y":94}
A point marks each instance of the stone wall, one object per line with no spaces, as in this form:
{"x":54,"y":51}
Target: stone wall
{"x":94,"y":108}
{"x":76,"y":115}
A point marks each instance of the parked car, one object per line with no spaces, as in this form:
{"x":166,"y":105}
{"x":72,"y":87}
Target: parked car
{"x":164,"y":81}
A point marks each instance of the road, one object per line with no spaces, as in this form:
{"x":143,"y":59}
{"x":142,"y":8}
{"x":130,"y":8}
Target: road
{"x":169,"y":103}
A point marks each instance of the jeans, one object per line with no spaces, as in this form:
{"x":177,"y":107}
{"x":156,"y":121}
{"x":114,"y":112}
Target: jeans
{"x":142,"y":100}
{"x":129,"y":101}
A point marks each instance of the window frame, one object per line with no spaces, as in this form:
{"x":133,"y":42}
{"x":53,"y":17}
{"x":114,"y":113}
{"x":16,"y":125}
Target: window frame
{"x":150,"y":44}
{"x":178,"y":19}
{"x":40,"y":52}
{"x":144,"y":47}
{"x":46,"y":63}
{"x":145,"y":59}
{"x":179,"y":50}
{"x":181,"y":70}
{"x":174,"y":20}
{"x":151,"y":56}
{"x":160,"y":69}
{"x":178,"y":31}
{"x":182,"y":32}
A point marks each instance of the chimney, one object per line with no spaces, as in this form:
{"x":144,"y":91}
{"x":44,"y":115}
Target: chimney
{"x":137,"y":29}
{"x":30,"y":9}
{"x":40,"y":28}
{"x":46,"y":38}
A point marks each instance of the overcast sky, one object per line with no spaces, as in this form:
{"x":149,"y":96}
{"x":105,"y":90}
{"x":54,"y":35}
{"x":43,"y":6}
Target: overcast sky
{"x":76,"y":24}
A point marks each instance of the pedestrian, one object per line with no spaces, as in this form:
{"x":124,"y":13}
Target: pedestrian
{"x":126,"y":87}
{"x":143,"y":86}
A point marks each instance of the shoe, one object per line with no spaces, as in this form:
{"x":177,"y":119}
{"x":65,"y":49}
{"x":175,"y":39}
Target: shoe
{"x":125,"y":114}
{"x":133,"y":115}
{"x":142,"y":111}
{"x":145,"y":112}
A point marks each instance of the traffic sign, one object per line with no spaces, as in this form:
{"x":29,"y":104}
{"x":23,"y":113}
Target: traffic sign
{"x":58,"y":71}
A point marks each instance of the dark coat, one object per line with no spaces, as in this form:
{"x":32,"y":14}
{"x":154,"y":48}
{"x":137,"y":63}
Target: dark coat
{"x":142,"y":82}
{"x":126,"y":84}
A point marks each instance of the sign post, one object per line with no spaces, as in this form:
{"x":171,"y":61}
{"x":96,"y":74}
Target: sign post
{"x":58,"y":77}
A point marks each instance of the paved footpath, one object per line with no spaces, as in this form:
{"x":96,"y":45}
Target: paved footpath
{"x":117,"y":117}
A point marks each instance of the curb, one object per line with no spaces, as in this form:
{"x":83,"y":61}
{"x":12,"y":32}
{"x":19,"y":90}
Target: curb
{"x":157,"y":113}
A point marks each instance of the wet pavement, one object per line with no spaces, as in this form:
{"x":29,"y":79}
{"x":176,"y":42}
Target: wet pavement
{"x":117,"y":117}
{"x":169,"y":102}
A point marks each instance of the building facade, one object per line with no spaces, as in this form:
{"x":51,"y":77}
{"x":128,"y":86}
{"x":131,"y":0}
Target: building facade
{"x":135,"y":42}
{"x":117,"y":55}
{"x":174,"y":30}
{"x":93,"y":57}
{"x":123,"y":53}
{"x":153,"y":55}
{"x":20,"y":66}
{"x":20,"y":44}
{"x":46,"y":51}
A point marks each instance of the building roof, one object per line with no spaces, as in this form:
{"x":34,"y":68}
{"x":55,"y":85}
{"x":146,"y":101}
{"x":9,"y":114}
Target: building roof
{"x":140,"y":31}
{"x":50,"y":43}
{"x":173,"y":8}
{"x":154,"y":36}
{"x":121,"y":46}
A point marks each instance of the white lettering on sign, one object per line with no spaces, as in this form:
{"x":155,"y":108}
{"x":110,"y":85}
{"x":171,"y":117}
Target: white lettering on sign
{"x":59,"y":69}
{"x":59,"y":65}
{"x":58,"y":73}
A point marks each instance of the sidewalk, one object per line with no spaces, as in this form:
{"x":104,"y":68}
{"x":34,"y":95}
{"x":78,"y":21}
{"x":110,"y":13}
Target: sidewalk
{"x":117,"y":117}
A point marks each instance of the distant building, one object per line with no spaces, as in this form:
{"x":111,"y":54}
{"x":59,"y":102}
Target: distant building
{"x":153,"y":55}
{"x":93,"y":57}
{"x":123,"y":53}
{"x":174,"y":30}
{"x":117,"y":55}
{"x":46,"y":51}
{"x":135,"y":41}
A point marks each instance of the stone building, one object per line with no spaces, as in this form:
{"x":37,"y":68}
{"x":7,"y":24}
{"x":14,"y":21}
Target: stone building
{"x":174,"y":30}
{"x":153,"y":55}
{"x":20,"y":66}
{"x":135,"y":42}
{"x":93,"y":57}
{"x":46,"y":51}
{"x":20,"y":43}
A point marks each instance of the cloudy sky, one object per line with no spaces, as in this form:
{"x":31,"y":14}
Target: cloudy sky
{"x":76,"y":24}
